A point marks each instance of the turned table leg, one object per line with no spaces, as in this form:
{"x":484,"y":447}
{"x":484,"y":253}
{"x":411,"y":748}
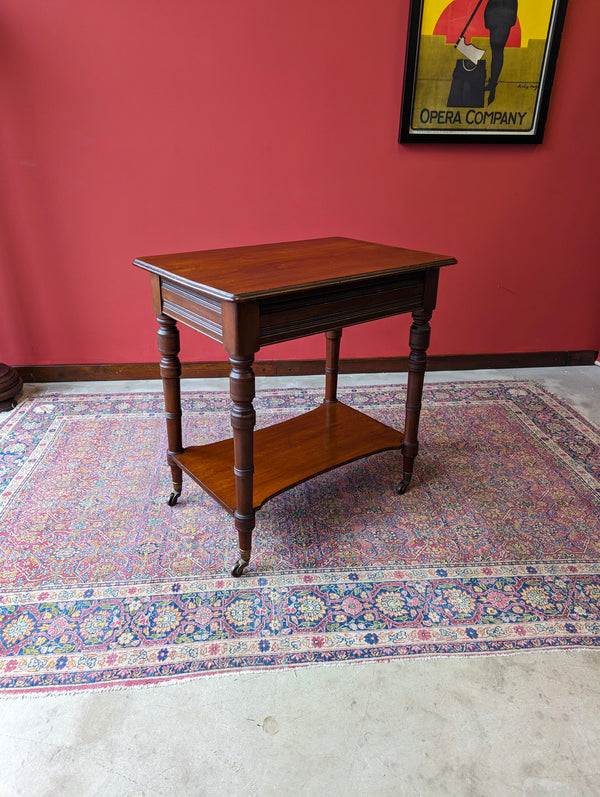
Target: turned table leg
{"x":419,"y":341}
{"x":332,"y":362}
{"x":170,"y":371}
{"x":243,"y":418}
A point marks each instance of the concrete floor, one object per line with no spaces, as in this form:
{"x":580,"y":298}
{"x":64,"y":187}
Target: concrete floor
{"x":521,"y":724}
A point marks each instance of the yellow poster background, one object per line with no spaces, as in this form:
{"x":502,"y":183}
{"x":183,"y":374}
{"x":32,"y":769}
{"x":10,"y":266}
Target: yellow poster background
{"x":533,"y":16}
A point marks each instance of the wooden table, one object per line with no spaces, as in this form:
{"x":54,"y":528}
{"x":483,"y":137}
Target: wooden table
{"x":248,"y":297}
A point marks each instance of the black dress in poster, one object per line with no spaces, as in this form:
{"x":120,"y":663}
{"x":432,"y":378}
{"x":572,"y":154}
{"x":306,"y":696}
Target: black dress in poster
{"x":480,"y":69}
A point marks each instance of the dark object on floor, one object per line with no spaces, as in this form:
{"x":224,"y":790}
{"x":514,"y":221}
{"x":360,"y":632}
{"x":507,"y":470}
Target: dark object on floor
{"x":10,"y":386}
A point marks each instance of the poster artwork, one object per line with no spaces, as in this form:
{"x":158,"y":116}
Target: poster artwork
{"x":480,"y":68}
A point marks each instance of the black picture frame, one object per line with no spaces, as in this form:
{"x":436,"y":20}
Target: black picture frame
{"x":449,"y":93}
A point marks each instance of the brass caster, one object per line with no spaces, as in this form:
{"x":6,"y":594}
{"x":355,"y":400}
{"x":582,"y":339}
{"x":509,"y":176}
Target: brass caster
{"x":403,"y":486}
{"x":241,"y":564}
{"x":174,"y":495}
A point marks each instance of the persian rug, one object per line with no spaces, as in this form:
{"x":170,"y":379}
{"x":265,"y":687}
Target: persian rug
{"x":495,"y":547}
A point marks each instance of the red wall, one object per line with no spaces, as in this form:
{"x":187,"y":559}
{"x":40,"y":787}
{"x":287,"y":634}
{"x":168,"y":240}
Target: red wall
{"x":136,"y":127}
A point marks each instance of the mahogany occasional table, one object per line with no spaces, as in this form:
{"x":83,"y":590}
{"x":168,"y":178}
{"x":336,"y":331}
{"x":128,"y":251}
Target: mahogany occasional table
{"x":251,"y":296}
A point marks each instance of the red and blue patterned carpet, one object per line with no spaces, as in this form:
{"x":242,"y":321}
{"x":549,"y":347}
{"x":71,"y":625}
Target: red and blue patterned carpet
{"x":496,"y":546}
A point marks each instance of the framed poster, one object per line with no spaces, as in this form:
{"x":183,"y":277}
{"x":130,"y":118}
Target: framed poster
{"x":480,"y":70}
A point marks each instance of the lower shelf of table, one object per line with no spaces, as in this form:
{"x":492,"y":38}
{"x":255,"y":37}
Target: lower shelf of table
{"x":290,"y":452}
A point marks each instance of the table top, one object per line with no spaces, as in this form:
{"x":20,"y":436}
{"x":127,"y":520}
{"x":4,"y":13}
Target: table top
{"x":250,"y":272}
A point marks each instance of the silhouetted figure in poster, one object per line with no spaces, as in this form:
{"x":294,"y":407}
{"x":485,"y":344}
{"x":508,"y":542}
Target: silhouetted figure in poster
{"x":499,"y":17}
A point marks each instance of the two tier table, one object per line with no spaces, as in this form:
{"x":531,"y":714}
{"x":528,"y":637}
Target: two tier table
{"x":248,"y":297}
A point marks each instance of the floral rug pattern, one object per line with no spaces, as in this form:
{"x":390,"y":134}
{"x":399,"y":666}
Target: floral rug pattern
{"x":495,"y":547}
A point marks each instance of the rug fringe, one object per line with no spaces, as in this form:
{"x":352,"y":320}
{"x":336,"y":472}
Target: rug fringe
{"x":174,"y":681}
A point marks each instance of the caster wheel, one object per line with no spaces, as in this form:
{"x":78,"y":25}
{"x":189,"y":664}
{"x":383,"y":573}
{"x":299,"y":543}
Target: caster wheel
{"x":173,"y":499}
{"x":239,"y":568}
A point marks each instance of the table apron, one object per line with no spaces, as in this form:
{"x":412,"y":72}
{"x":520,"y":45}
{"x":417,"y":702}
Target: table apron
{"x":193,"y":308}
{"x":302,"y":313}
{"x":295,"y":317}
